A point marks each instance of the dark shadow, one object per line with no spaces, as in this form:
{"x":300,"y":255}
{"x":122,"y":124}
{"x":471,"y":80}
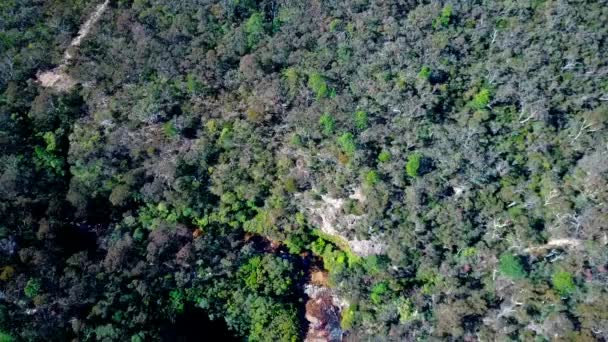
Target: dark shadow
{"x":194,"y":325}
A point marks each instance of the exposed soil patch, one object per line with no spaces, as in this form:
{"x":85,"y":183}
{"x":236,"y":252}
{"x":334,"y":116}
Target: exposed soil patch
{"x":58,"y":77}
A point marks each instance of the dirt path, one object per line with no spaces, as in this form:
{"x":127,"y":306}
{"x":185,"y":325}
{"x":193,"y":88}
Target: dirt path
{"x":572,"y":243}
{"x":58,"y":78}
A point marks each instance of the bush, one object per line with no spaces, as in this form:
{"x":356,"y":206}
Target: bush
{"x":32,"y":288}
{"x":347,"y":143}
{"x":4,"y":337}
{"x":413,"y":164}
{"x":481,"y":99}
{"x":371,"y":178}
{"x":361,"y":120}
{"x":378,"y":292}
{"x":318,"y":85}
{"x":384,"y":156}
{"x":254,"y":29}
{"x":327,"y":123}
{"x":563,"y":283}
{"x":444,"y":18}
{"x":510,"y":266}
{"x":425,"y":73}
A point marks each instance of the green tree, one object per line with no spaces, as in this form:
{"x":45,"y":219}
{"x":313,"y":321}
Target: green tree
{"x":318,"y":85}
{"x":267,"y":274}
{"x":32,"y":288}
{"x":361,"y":120}
{"x":413,"y":164}
{"x":511,"y":266}
{"x":425,"y":73}
{"x":481,"y":99}
{"x":327,"y":123}
{"x":254,"y":29}
{"x":563,"y":283}
{"x":384,"y":156}
{"x":444,"y":18}
{"x":347,"y":143}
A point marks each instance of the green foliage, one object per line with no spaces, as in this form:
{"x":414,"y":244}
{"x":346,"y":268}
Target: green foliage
{"x":169,"y":129}
{"x":563,"y":283}
{"x":481,"y":99}
{"x":413,"y":164}
{"x":292,"y":78}
{"x":511,"y":266}
{"x":425,"y":73}
{"x":378,"y":292}
{"x":318,"y":85}
{"x":384,"y":156}
{"x":347,"y":143}
{"x":5,"y":337}
{"x":371,"y":178}
{"x":335,"y":24}
{"x":176,"y":301}
{"x":328,"y":124}
{"x":271,"y":322}
{"x":268,"y":275}
{"x":407,"y":310}
{"x":361,"y":120}
{"x":32,"y":288}
{"x":48,"y":157}
{"x":254,"y":29}
{"x":444,"y":18}
{"x":348,"y":317}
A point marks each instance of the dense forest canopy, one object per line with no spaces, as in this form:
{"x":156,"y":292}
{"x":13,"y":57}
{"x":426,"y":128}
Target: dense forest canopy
{"x":282,"y":170}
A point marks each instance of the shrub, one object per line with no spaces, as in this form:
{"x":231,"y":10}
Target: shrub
{"x":371,"y":177}
{"x":481,"y":99}
{"x":347,"y":143}
{"x":510,"y":266}
{"x":563,"y":283}
{"x":348,"y":317}
{"x":254,"y":29}
{"x":291,"y":77}
{"x":32,"y":288}
{"x":378,"y":292}
{"x":384,"y":156}
{"x":444,"y":18}
{"x":327,"y":123}
{"x":413,"y":164}
{"x":318,"y":85}
{"x":361,"y":120}
{"x":4,"y":337}
{"x":425,"y":73}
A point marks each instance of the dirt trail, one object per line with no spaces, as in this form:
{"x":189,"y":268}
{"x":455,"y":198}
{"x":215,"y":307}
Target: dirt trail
{"x":58,"y":78}
{"x":573,"y":243}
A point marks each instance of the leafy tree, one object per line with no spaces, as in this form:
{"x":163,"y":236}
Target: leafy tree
{"x":32,"y":288}
{"x":328,"y":124}
{"x":511,"y":266}
{"x":372,"y":177}
{"x":424,"y":73}
{"x":318,"y":85}
{"x":268,"y":274}
{"x":444,"y":18}
{"x":563,"y":283}
{"x":361,"y":120}
{"x":254,"y":29}
{"x":413,"y":164}
{"x":481,"y":99}
{"x":384,"y":156}
{"x":347,"y":143}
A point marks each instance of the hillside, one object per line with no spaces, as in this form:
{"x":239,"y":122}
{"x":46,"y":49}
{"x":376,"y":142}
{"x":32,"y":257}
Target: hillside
{"x":303,"y":170}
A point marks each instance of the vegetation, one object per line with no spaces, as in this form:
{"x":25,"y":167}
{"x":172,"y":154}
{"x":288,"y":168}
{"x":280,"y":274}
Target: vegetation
{"x":511,"y":266}
{"x":439,"y":169}
{"x":413,"y":164}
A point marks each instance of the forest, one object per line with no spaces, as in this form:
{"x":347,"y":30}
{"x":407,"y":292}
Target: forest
{"x":303,"y":170}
